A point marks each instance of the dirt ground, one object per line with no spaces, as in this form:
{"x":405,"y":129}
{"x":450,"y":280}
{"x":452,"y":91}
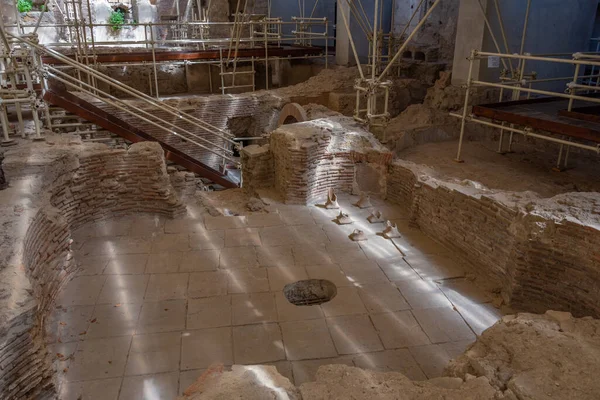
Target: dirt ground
{"x":524,"y":169}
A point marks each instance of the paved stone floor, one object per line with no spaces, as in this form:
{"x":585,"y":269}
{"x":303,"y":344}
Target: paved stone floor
{"x":157,"y":301}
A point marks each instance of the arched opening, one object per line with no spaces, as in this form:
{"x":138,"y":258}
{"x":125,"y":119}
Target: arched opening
{"x":419,"y":56}
{"x":290,"y":119}
{"x":407,"y":55}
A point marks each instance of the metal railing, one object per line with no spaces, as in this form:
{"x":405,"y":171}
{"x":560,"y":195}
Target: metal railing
{"x":211,"y":139}
{"x":573,"y":92}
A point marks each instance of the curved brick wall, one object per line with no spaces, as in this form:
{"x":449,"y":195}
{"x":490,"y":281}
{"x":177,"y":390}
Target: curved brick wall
{"x":87,"y":186}
{"x":544,"y":252}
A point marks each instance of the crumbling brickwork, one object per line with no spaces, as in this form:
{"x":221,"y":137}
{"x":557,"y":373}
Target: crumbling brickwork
{"x":258,"y":170}
{"x":542,"y":260}
{"x":83,"y":187}
{"x":311,"y":157}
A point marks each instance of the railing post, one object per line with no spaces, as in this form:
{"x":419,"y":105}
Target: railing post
{"x":466,"y":106}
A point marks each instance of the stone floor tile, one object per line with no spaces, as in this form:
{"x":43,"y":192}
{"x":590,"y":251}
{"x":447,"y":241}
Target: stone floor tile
{"x":94,"y":265}
{"x":418,"y":242}
{"x":330,"y":272}
{"x":61,"y":355}
{"x":242,"y":237}
{"x":261,"y":220}
{"x":340,"y":238}
{"x":162,"y":316}
{"x":347,"y":253}
{"x":154,"y":353}
{"x":384,"y":297}
{"x":120,"y":289}
{"x":163,"y":263}
{"x":296,"y":217}
{"x":306,"y":370}
{"x":184,"y":225}
{"x":113,"y":246}
{"x":207,"y":240}
{"x":422,"y":294}
{"x":68,"y":324}
{"x":150,"y":387}
{"x":400,"y":360}
{"x":253,"y":308}
{"x":99,"y":389}
{"x":81,"y":291}
{"x":287,"y":311}
{"x":346,"y":302}
{"x":248,"y":280}
{"x":167,"y":287}
{"x":380,"y":249}
{"x":462,"y":292}
{"x":307,"y":340}
{"x":479,"y":316}
{"x":284,"y":368}
{"x":310,"y":255}
{"x":144,"y":225}
{"x":456,"y":349}
{"x":398,"y":270}
{"x":257,"y":344}
{"x":435,"y":266}
{"x":399,"y":330}
{"x":208,"y":284}
{"x":127,"y":264}
{"x":99,"y":358}
{"x":223,"y":223}
{"x":200,"y":260}
{"x":353,"y":334}
{"x":431,"y":358}
{"x":238,"y":257}
{"x":275,"y":256}
{"x":201,"y":348}
{"x":364,"y":272}
{"x":279,"y":277}
{"x":187,"y":378}
{"x":209,"y":312}
{"x":109,"y":320}
{"x":321,"y":215}
{"x":171,"y":242}
{"x":443,"y":324}
{"x":277,"y":236}
{"x":309,"y":235}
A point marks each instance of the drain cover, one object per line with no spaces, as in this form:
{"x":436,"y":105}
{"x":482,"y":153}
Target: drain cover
{"x":309,"y":292}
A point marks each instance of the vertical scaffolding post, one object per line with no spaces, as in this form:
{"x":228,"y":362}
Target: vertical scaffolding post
{"x":465,"y":106}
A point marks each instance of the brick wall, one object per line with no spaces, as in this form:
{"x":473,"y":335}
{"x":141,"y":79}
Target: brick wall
{"x":257,"y":168}
{"x":541,"y":261}
{"x":86,"y":187}
{"x":311,"y":157}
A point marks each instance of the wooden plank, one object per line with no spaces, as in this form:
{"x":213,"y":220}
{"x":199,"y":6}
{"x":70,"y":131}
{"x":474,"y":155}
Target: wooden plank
{"x":259,"y":52}
{"x":560,"y":128}
{"x":86,"y":110}
{"x":580,"y":115}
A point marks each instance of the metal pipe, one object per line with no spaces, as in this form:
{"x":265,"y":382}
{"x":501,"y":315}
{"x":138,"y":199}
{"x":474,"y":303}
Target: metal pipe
{"x":375,"y":37}
{"x":465,"y":106}
{"x":525,"y":25}
{"x":490,"y":30}
{"x":503,"y":33}
{"x":483,"y":54}
{"x":528,"y":133}
{"x":536,"y":91}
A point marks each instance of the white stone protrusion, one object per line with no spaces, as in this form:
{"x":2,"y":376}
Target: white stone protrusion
{"x":364,"y":201}
{"x":375,"y":217}
{"x":343,"y":218}
{"x":391,"y":231}
{"x":332,"y":202}
{"x":358,"y":235}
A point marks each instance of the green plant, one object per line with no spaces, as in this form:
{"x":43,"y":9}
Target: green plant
{"x":116,"y":20}
{"x":24,"y":5}
{"x":43,"y":8}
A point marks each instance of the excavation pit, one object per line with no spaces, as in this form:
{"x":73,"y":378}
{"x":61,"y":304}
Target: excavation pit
{"x":310,"y":292}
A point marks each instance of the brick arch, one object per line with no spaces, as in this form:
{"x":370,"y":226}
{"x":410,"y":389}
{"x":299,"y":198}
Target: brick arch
{"x":292,"y":113}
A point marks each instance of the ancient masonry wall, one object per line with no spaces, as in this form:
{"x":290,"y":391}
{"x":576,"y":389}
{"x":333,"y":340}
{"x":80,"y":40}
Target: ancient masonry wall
{"x":541,"y":262}
{"x":88,"y":187}
{"x":258,"y":170}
